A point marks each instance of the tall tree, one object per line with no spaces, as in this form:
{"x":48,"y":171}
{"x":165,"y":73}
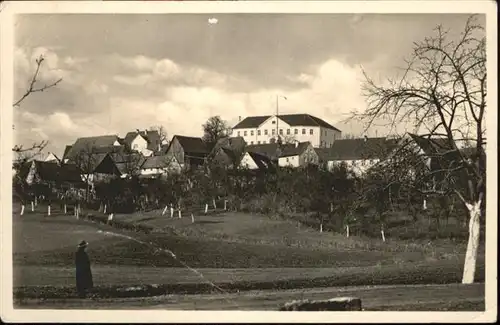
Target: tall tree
{"x":215,"y":128}
{"x":443,"y":90}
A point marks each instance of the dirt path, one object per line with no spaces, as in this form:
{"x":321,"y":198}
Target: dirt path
{"x":409,"y":297}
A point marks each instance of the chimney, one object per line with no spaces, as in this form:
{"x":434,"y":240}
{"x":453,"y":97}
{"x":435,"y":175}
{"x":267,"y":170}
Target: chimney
{"x":239,"y":118}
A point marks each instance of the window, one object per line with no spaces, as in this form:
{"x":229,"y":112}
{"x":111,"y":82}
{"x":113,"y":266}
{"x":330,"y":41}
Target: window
{"x":287,"y":160}
{"x":288,"y":131}
{"x":264,"y":142}
{"x":239,"y":133}
{"x":251,"y":142}
{"x":311,"y":131}
{"x":303,"y":131}
{"x":245,"y":133}
{"x":281,"y":131}
{"x":274,"y":122}
{"x":251,"y":132}
{"x":265,"y":132}
{"x":296,"y":131}
{"x":273,"y":131}
{"x":258,"y":142}
{"x":136,"y":146}
{"x":258,"y":132}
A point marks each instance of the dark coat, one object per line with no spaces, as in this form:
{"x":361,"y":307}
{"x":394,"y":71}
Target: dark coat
{"x":83,"y":273}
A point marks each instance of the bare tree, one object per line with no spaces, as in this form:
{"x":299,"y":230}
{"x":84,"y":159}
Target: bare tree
{"x":215,"y":128}
{"x":27,"y":153}
{"x":443,"y":90}
{"x":162,"y":132}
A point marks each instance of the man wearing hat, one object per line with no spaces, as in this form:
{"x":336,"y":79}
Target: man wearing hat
{"x":83,"y":273}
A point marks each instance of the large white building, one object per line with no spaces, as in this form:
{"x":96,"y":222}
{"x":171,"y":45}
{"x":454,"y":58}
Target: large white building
{"x":290,"y":127}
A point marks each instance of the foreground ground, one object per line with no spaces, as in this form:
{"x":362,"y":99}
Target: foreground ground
{"x":236,"y":252}
{"x":396,"y":298}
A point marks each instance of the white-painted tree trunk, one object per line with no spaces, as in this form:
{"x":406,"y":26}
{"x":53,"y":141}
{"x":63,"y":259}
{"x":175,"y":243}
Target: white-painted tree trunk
{"x":424,"y":206}
{"x":171,"y":211}
{"x":321,"y":227}
{"x":110,"y":217}
{"x":32,"y":206}
{"x":22,"y":209}
{"x":331,"y":207}
{"x":206,"y":208}
{"x":164,"y":210}
{"x":192,"y":218}
{"x":225,"y":205}
{"x":215,"y":206}
{"x":180,"y":214}
{"x":473,"y":242}
{"x":65,"y":209}
{"x":36,"y":201}
{"x":383,"y":234}
{"x":347,"y":231}
{"x":48,"y":210}
{"x":105,"y":208}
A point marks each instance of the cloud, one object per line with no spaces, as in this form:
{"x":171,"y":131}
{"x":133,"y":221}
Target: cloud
{"x":144,"y":92}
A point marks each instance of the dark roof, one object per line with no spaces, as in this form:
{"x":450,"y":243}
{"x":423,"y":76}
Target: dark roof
{"x":251,"y":122}
{"x":357,"y":149}
{"x":156,"y":162}
{"x":66,"y":150}
{"x":291,"y":119}
{"x":263,"y":162}
{"x":194,"y":146}
{"x":274,"y":150}
{"x":51,"y":172}
{"x":91,"y":143}
{"x":431,"y":145}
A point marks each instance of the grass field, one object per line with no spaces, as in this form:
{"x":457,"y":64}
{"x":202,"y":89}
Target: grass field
{"x":234,"y":251}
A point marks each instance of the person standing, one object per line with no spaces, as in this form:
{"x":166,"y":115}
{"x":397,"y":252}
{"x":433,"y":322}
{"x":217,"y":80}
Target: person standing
{"x":84,"y":280}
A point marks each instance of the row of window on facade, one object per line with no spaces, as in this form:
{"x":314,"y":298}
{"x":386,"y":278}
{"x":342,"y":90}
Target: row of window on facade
{"x":273,"y":132}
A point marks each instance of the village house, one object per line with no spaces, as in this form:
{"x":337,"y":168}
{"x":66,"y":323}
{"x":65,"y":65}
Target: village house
{"x":156,"y":166}
{"x":357,"y":154}
{"x":146,"y":142}
{"x":189,"y":152}
{"x":287,"y":155}
{"x":51,"y":174}
{"x":255,"y":161}
{"x":257,"y":130}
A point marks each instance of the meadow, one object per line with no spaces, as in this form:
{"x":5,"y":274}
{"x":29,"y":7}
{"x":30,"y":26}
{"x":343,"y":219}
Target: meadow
{"x":219,"y":252}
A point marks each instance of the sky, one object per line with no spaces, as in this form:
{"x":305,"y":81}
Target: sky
{"x":125,"y":72}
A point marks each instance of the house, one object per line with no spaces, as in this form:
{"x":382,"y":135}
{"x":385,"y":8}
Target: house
{"x":189,"y":151}
{"x":51,"y":174}
{"x":51,"y":157}
{"x":287,"y":155}
{"x":255,"y":161}
{"x":159,"y":165}
{"x":228,"y":152}
{"x":146,"y":142}
{"x":90,"y":145}
{"x":358,"y":154}
{"x":98,"y":167}
{"x":298,"y":127}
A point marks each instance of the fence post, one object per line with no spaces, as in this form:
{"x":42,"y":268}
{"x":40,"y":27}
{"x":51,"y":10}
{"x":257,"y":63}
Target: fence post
{"x":383,"y":234}
{"x":105,"y":208}
{"x":192,"y":218}
{"x":225,"y":205}
{"x":32,"y":207}
{"x":171,"y":211}
{"x":206,"y":208}
{"x":22,"y":209}
{"x":321,"y":227}
{"x":65,"y":208}
{"x":215,"y":206}
{"x":180,"y":215}
{"x":164,"y":210}
{"x":347,"y":230}
{"x":48,"y":209}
